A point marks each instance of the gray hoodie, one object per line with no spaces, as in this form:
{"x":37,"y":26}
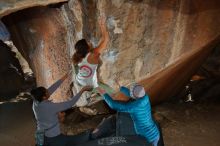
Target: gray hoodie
{"x":46,"y":114}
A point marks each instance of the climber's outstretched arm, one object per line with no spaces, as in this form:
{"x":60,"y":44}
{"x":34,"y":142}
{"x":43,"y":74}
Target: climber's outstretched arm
{"x":105,"y":36}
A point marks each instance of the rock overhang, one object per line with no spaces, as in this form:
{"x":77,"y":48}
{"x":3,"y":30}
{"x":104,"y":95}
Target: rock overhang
{"x":10,"y":6}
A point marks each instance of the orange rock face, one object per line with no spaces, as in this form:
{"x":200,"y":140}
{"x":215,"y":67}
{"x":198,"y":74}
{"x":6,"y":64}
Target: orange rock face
{"x":43,"y":36}
{"x":147,"y":38}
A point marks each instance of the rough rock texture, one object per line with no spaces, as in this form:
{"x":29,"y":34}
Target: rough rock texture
{"x":11,"y":73}
{"x":154,"y":34}
{"x":149,"y":37}
{"x":43,"y":44}
{"x":146,"y":37}
{"x":211,"y":68}
{"x":10,"y":6}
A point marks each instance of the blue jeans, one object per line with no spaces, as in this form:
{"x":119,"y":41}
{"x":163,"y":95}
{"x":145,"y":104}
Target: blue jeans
{"x":105,"y":128}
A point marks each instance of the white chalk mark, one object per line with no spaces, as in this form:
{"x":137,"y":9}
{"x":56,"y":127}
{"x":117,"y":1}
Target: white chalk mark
{"x":110,"y":56}
{"x":113,"y":24}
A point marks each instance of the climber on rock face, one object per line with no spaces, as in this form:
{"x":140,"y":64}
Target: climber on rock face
{"x":86,"y":59}
{"x":139,"y":108}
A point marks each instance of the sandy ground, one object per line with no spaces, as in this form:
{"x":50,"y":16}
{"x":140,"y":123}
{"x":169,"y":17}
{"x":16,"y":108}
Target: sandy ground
{"x":183,"y":124}
{"x":190,"y":124}
{"x":16,"y":124}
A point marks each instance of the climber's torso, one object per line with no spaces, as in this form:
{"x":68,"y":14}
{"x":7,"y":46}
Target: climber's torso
{"x":87,"y":74}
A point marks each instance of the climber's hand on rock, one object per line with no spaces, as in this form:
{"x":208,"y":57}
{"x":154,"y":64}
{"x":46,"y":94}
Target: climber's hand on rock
{"x":100,"y":90}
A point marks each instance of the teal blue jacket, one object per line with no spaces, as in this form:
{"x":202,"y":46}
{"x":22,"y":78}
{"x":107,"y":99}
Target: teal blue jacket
{"x":140,"y":111}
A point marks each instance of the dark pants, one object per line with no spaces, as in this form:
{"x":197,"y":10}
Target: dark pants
{"x":67,"y":140}
{"x":105,"y":128}
{"x":125,"y":126}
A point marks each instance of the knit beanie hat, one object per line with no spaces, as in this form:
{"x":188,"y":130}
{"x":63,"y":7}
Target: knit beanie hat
{"x":137,"y":91}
